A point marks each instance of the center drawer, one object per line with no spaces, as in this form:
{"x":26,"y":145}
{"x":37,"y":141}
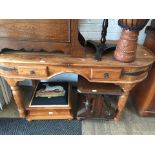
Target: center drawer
{"x":33,"y":71}
{"x":44,"y":105}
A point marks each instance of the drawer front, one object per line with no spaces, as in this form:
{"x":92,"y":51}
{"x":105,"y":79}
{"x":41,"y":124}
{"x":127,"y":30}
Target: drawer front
{"x":32,"y":71}
{"x":49,"y":112}
{"x":106,"y":74}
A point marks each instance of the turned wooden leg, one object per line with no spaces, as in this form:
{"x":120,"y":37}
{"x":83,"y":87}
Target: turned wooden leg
{"x":17,"y":96}
{"x":33,"y":84}
{"x":121,"y":104}
{"x":123,"y":99}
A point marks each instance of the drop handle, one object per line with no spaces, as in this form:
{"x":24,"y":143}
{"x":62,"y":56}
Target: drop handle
{"x":32,"y":72}
{"x":50,"y":113}
{"x":106,"y":75}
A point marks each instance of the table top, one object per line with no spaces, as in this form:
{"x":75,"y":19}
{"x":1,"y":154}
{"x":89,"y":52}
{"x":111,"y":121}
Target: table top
{"x":144,"y":57}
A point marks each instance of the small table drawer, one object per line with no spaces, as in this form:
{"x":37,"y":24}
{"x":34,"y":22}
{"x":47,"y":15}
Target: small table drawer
{"x":32,"y":71}
{"x":106,"y":74}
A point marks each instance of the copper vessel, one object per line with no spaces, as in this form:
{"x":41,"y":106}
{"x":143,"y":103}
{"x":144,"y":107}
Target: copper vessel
{"x":127,"y":44}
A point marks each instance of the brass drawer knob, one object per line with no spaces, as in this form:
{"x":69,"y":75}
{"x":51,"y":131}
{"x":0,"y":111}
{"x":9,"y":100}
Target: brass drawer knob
{"x":32,"y":72}
{"x":106,"y":75}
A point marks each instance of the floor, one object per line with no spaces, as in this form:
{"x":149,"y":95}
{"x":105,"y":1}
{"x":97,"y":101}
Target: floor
{"x":131,"y":123}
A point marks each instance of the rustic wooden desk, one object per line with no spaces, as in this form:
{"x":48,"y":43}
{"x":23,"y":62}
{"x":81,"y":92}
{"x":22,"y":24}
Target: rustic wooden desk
{"x":18,"y":65}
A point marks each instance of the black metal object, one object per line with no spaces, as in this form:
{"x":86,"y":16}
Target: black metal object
{"x":81,"y":39}
{"x":134,"y":73}
{"x":137,"y":27}
{"x":101,"y":47}
{"x":7,"y":68}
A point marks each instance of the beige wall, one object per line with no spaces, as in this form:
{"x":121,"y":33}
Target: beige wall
{"x":91,"y":29}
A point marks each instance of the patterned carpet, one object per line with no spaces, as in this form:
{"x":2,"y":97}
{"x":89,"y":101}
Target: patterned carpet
{"x":17,"y":126}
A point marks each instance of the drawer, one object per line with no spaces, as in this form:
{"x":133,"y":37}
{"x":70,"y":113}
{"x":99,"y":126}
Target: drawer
{"x":32,"y":70}
{"x":44,"y":107}
{"x":106,"y":74}
{"x":48,"y":112}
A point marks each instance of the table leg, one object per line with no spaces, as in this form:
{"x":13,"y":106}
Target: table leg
{"x":34,"y":83}
{"x":123,"y":99}
{"x":121,"y":104}
{"x":17,"y":96}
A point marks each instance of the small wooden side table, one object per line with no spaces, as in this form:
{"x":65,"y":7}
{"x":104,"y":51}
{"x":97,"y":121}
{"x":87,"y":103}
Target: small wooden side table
{"x":19,"y":65}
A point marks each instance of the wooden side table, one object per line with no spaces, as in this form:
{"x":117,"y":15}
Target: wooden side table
{"x":143,"y":94}
{"x":19,"y":65}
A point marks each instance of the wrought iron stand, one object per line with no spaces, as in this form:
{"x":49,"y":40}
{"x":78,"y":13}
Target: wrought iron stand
{"x":101,"y":47}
